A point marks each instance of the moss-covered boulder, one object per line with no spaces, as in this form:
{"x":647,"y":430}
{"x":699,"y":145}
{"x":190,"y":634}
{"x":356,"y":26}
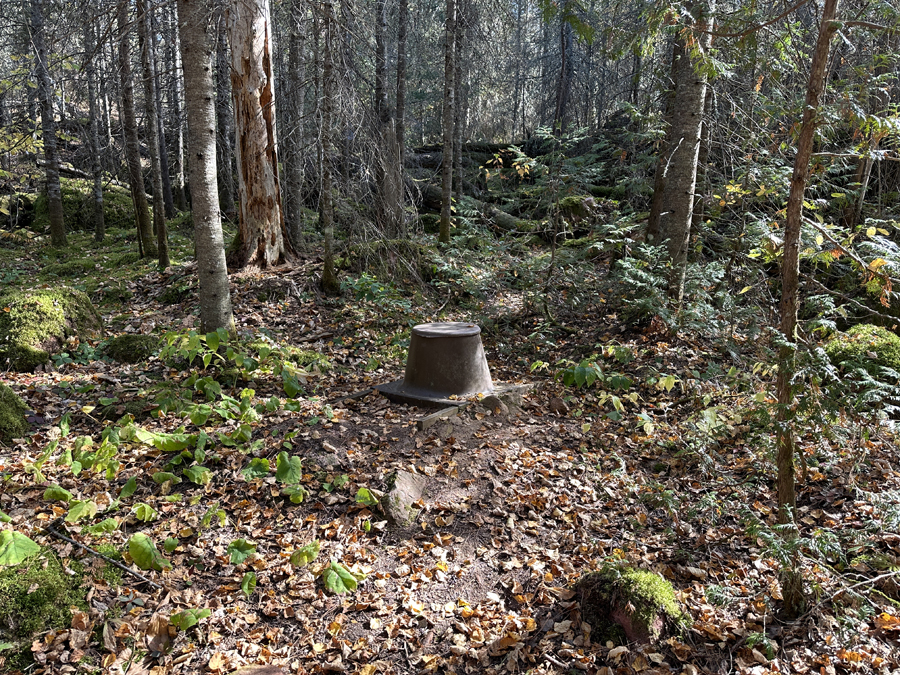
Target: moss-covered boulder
{"x":629,"y":604}
{"x":867,"y":346}
{"x":36,"y":323}
{"x":36,"y":595}
{"x":12,"y":415}
{"x":78,"y":206}
{"x":132,"y":348}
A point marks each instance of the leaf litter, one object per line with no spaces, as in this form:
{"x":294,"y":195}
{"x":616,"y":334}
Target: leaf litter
{"x":271,"y":548}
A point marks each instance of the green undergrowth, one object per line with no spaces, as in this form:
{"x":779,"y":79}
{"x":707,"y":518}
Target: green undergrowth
{"x":78,"y":206}
{"x":865,"y":345}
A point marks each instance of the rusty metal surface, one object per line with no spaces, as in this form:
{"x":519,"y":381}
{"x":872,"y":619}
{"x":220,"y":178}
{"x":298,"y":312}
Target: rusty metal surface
{"x":446,"y":359}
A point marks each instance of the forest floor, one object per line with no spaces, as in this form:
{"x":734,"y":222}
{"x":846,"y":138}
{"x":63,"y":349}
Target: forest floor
{"x":668,"y":467}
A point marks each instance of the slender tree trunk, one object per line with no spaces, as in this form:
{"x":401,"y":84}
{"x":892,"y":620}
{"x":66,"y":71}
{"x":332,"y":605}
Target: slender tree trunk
{"x":291,"y":134}
{"x":388,"y":169}
{"x":176,"y":97}
{"x":403,"y":21}
{"x":132,"y":142}
{"x":679,"y":165}
{"x":564,"y":85}
{"x":196,"y":51}
{"x":90,"y":72}
{"x":168,"y":198}
{"x":329,"y":281}
{"x":48,"y":126}
{"x":262,"y":238}
{"x":448,"y":120}
{"x":791,"y":578}
{"x":225,"y":121}
{"x":458,"y":122}
{"x":159,"y":207}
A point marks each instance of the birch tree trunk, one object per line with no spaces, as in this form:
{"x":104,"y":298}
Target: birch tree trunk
{"x":791,"y":578}
{"x":175,"y":94}
{"x":159,"y":207}
{"x":262,"y":238}
{"x":196,"y":58}
{"x":132,"y":142}
{"x":48,"y":126}
{"x":448,"y":120}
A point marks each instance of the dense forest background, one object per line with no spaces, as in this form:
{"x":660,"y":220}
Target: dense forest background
{"x":675,"y":223}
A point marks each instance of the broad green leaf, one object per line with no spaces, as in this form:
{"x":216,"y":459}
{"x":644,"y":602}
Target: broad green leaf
{"x":200,"y":415}
{"x":363,"y":496}
{"x":198,"y":474}
{"x":296,"y":493}
{"x":55,"y":492}
{"x":161,"y":477}
{"x":80,"y":510}
{"x":107,"y":401}
{"x":338,"y":579}
{"x":257,"y":468}
{"x":145,"y":554}
{"x":290,"y":383}
{"x":288,"y":470}
{"x":129,"y":488}
{"x":4,"y":518}
{"x":15,"y":547}
{"x":144,"y":512}
{"x":170,"y":544}
{"x":239,"y":550}
{"x":212,"y":341}
{"x":214,"y":510}
{"x":103,"y":527}
{"x":166,"y":442}
{"x":248,"y":583}
{"x":303,"y":556}
{"x":188,"y":618}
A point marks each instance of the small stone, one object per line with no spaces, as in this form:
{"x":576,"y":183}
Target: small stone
{"x":397,"y":503}
{"x":558,"y":406}
{"x":495,"y":404}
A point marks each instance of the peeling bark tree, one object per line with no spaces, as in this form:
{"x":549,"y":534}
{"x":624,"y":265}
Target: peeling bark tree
{"x":262,"y":238}
{"x":48,"y":126}
{"x":196,"y":51}
{"x":791,"y":578}
{"x":672,"y":208}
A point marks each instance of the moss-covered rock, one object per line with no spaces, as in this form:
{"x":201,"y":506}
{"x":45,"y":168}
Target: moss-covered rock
{"x":36,"y":323}
{"x":638,"y":605}
{"x":78,"y":206}
{"x":36,"y":595}
{"x":12,"y":415}
{"x":132,"y":348}
{"x":867,"y":346}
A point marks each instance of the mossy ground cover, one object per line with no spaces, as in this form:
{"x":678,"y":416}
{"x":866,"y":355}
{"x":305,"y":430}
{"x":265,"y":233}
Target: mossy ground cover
{"x":868,"y":346}
{"x":12,"y":415}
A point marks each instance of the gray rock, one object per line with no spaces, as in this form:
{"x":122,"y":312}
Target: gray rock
{"x":495,"y":404}
{"x":398,"y":503}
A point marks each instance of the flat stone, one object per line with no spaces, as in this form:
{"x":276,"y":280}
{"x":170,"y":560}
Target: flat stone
{"x":495,"y":404}
{"x":259,"y":670}
{"x":398,"y":502}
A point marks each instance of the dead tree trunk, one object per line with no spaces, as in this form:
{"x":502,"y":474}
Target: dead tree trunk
{"x":262,"y":238}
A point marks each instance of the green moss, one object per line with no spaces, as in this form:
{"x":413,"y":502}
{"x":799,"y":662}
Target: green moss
{"x":72,"y":268}
{"x":644,"y":596}
{"x":37,"y":595}
{"x":132,"y":348}
{"x":36,"y":323}
{"x":868,"y":346}
{"x":12,"y":415}
{"x":183,"y":222}
{"x":123,"y":259}
{"x":430,"y":222}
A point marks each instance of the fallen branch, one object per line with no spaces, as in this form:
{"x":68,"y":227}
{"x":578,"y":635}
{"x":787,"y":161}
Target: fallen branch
{"x":49,"y":529}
